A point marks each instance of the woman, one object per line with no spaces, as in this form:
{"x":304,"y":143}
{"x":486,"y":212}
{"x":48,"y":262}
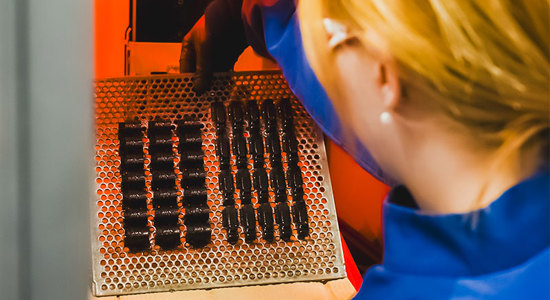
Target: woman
{"x":451,"y":99}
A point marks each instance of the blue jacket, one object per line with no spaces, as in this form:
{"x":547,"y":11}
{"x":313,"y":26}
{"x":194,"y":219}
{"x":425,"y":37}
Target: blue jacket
{"x":499,"y":252}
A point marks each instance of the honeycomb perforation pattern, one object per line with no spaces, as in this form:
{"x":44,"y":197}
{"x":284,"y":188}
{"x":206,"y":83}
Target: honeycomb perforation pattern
{"x":116,"y":271}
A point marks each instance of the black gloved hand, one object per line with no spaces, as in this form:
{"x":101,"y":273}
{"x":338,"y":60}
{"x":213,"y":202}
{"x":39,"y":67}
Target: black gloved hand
{"x":215,"y":42}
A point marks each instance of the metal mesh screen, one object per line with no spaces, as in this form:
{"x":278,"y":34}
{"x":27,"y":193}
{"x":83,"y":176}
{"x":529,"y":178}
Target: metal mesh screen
{"x":220,"y":264}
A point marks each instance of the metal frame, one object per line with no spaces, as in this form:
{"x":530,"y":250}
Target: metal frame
{"x":46,"y":119}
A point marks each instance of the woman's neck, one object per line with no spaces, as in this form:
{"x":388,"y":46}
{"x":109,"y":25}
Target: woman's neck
{"x":445,"y":176}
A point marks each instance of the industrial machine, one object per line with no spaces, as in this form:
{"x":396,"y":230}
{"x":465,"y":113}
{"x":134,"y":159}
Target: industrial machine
{"x":154,"y":125}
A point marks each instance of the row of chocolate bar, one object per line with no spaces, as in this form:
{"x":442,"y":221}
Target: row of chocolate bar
{"x":250,"y":124}
{"x":134,"y":203}
{"x":163,"y":185}
{"x":294,"y":173}
{"x":230,"y":219}
{"x":197,"y":212}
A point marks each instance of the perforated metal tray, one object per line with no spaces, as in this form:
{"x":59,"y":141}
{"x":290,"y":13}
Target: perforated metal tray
{"x":220,"y":264}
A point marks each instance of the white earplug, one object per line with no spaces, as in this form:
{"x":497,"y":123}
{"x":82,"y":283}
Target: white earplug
{"x":336,"y":31}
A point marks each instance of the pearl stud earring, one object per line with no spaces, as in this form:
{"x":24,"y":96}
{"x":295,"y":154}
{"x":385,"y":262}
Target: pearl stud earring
{"x":386,"y":118}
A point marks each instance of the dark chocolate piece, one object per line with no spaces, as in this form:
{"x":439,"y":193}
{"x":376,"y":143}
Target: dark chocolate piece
{"x":244,"y":185}
{"x":277,"y":178}
{"x":168,"y":237}
{"x":221,"y":130}
{"x":273,"y":144}
{"x":192,"y":160}
{"x":280,"y":195}
{"x":163,"y":180}
{"x":260,"y":179}
{"x":137,"y":239}
{"x":287,"y":125}
{"x":265,"y":219}
{"x":261,"y":184}
{"x":190,"y":147}
{"x":227,"y":188}
{"x":191,"y":139}
{"x":193,"y":177}
{"x":162,"y":162}
{"x":198,"y":235}
{"x":282,"y":218}
{"x":248,"y":222}
{"x":188,"y":126}
{"x":235,"y":113}
{"x":217,"y":111}
{"x":290,"y":143}
{"x":159,"y":128}
{"x":240,"y":150}
{"x":241,"y":161}
{"x":131,"y":145}
{"x":135,"y":218}
{"x":165,"y":198}
{"x":193,"y":155}
{"x":134,"y":200}
{"x":292,"y":158}
{"x":189,"y":134}
{"x":195,"y":196}
{"x":189,"y":143}
{"x":294,"y":177}
{"x":297,"y":194}
{"x":160,"y":124}
{"x":285,"y":114}
{"x":230,"y":222}
{"x":269,"y":115}
{"x":132,"y":162}
{"x":160,"y":145}
{"x":259,"y":162}
{"x":132,"y":181}
{"x":166,"y":216}
{"x":223,"y":151}
{"x":284,"y":109}
{"x":256,"y":145}
{"x":196,"y":215}
{"x":161,"y":140}
{"x":245,"y":196}
{"x":263,"y":196}
{"x":254,"y":132}
{"x":243,"y":179}
{"x":252,"y":112}
{"x":133,"y":129}
{"x":300,"y":217}
{"x":276,"y":163}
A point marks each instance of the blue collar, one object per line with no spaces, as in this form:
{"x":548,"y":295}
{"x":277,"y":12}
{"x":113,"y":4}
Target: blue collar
{"x":508,"y":232}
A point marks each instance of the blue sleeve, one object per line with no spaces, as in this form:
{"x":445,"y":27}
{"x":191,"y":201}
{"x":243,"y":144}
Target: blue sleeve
{"x":273,"y":26}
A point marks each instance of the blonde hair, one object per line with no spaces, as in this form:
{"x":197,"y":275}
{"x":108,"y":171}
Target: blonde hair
{"x":487,"y":62}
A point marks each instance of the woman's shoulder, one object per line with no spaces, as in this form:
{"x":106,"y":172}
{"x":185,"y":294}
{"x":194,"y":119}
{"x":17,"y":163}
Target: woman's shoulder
{"x":502,"y":249}
{"x":525,"y":281}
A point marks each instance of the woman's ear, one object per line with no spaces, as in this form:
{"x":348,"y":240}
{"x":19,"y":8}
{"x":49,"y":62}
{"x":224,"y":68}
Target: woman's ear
{"x":389,"y":85}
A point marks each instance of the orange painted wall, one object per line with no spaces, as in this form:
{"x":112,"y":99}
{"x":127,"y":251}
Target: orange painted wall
{"x":111,"y":19}
{"x":358,"y":195}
